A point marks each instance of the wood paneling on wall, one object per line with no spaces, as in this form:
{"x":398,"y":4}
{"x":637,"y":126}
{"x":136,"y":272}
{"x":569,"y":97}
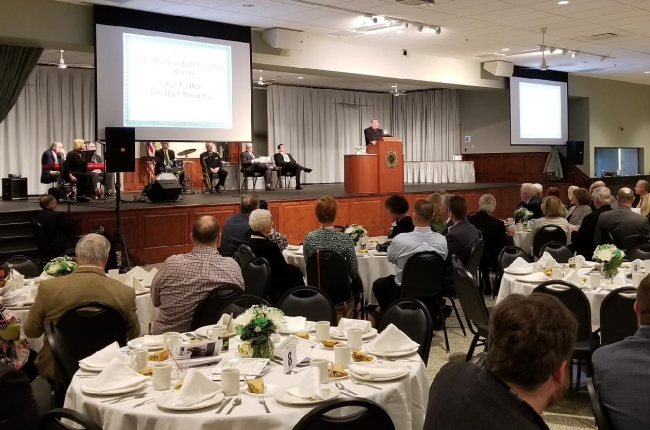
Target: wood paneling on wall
{"x":505,"y":167}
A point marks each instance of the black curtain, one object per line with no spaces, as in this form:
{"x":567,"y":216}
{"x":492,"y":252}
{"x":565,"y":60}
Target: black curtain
{"x":16,"y":64}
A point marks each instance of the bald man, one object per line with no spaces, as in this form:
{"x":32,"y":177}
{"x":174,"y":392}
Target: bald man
{"x":249,"y":164}
{"x":629,"y":229}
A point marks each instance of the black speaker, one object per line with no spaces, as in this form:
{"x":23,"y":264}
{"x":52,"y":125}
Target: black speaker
{"x":14,"y":188}
{"x":120,"y":149}
{"x":575,"y":152}
{"x":164,"y":190}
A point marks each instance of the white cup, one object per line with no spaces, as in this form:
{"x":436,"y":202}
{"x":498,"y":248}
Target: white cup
{"x":354,"y":338}
{"x":323,"y":368}
{"x":20,"y":281}
{"x":594,"y":280}
{"x":519,"y":227}
{"x":637,"y":278}
{"x":510,"y":221}
{"x":646,"y":266}
{"x":551,"y":264}
{"x":139,"y":359}
{"x":171,"y":341}
{"x":162,"y":375}
{"x":322,"y":330}
{"x":230,"y":381}
{"x":216,"y":330}
{"x":636,"y":266}
{"x":579,"y":259}
{"x":557,"y":273}
{"x":342,"y":355}
{"x":114,"y":273}
{"x":537,"y":267}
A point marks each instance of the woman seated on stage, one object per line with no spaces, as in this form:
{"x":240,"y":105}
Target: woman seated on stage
{"x":398,"y":207}
{"x":284,"y":276}
{"x":77,"y":171}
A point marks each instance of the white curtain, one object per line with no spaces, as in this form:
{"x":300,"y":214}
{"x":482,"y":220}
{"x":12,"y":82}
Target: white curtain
{"x":55,"y":105}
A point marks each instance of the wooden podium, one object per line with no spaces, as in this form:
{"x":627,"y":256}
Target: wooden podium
{"x":380,"y":170}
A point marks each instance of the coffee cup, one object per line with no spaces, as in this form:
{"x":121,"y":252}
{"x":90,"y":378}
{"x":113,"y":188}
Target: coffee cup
{"x":355,"y":338}
{"x":138,"y":359}
{"x":519,"y":226}
{"x":510,"y":221}
{"x":113,"y":273}
{"x":557,"y":273}
{"x":637,"y":278}
{"x":162,"y":375}
{"x":537,"y":267}
{"x":322,"y":330}
{"x":646,"y":266}
{"x":230,"y":384}
{"x":323,"y":368}
{"x":342,"y":354}
{"x":215,"y":331}
{"x":594,"y":280}
{"x":171,"y":341}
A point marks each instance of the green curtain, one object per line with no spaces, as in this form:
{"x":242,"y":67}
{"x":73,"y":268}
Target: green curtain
{"x":16,"y":64}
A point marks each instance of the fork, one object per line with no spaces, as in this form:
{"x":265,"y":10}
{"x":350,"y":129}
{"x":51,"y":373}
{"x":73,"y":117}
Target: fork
{"x":354,"y":381}
{"x":144,"y":403}
{"x":137,"y":396}
{"x":263,"y":402}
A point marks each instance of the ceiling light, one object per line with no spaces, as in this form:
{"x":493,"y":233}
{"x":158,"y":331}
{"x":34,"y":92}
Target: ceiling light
{"x":248,"y":5}
{"x":565,"y":51}
{"x":420,"y":28}
{"x":395,"y":86}
{"x":552,"y":50}
{"x":438,"y":30}
{"x":301,"y":77}
{"x":563,"y":2}
{"x":505,"y":49}
{"x":648,"y":72}
{"x":574,"y":54}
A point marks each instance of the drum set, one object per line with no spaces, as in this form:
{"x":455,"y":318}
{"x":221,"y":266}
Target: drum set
{"x":178,"y":167}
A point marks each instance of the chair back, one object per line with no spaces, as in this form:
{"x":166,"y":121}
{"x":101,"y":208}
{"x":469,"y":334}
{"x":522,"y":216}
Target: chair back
{"x":475,"y":255}
{"x":328,"y":271}
{"x":423,"y":275}
{"x":370,"y":416}
{"x":617,"y":317}
{"x":480,"y":359}
{"x":308,"y":302}
{"x":600,"y":412}
{"x":206,"y":311}
{"x":41,"y":240}
{"x":82,"y":331}
{"x":72,"y":253}
{"x":244,"y":255}
{"x":413,"y":318}
{"x":471,"y":299}
{"x":641,"y":252}
{"x":257,"y":277}
{"x":239,"y":304}
{"x":509,"y":254}
{"x":23,"y":265}
{"x":53,"y":420}
{"x":560,"y":252}
{"x":546,"y":234}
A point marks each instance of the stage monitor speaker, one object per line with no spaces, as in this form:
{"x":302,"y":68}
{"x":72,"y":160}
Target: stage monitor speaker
{"x":575,"y":152}
{"x":164,"y":190}
{"x":14,"y":188}
{"x":499,"y":68}
{"x":120,"y":149}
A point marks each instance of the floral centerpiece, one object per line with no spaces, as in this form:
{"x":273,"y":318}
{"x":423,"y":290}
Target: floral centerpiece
{"x":356,"y":232}
{"x":60,"y":266}
{"x":522,"y":215}
{"x":610,"y":258}
{"x":256,"y":325}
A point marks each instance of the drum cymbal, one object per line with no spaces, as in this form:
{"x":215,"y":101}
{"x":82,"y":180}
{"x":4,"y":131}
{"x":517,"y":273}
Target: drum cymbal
{"x":151,"y":158}
{"x":186,"y":152}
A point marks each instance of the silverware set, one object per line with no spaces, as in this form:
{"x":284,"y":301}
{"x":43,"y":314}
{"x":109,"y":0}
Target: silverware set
{"x":236,"y":402}
{"x":263,"y":402}
{"x":344,"y":390}
{"x":124,"y":398}
{"x":225,"y":403}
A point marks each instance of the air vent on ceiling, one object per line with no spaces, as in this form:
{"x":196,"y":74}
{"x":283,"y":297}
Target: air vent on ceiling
{"x":416,"y":2}
{"x":602,"y":36}
{"x":344,"y":34}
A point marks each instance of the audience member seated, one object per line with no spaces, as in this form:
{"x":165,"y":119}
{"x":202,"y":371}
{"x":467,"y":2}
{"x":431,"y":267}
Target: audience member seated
{"x":599,"y":184}
{"x":236,"y":230}
{"x":58,"y":230}
{"x":440,"y":214}
{"x":570,"y":191}
{"x":582,"y":238}
{"x":531,"y":342}
{"x":398,"y":207}
{"x":14,"y":348}
{"x":53,"y":155}
{"x":287,"y":164}
{"x":529,"y":201}
{"x":553,"y":211}
{"x":494,"y":237}
{"x":539,"y":193}
{"x":326,"y":238}
{"x":461,"y":236}
{"x":275,"y":236}
{"x":250,"y":164}
{"x":581,"y":200}
{"x":18,"y":409}
{"x":552,"y":191}
{"x":421,"y":239}
{"x":642,"y":188}
{"x":185,"y":279}
{"x":628,"y":229}
{"x":77,"y":170}
{"x":88,"y":283}
{"x":621,"y":371}
{"x":284,"y":276}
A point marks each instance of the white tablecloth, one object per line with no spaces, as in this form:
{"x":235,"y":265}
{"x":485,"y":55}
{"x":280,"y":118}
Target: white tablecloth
{"x":439,"y":172}
{"x":405,"y":400}
{"x":524,"y":240}
{"x":370,"y":269}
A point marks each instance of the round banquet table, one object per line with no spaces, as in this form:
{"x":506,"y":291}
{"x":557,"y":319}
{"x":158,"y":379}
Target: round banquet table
{"x":371,"y":268}
{"x":524,"y":240}
{"x":404,"y":399}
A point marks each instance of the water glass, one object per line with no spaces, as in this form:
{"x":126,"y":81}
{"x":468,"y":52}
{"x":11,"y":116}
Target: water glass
{"x":594,"y":280}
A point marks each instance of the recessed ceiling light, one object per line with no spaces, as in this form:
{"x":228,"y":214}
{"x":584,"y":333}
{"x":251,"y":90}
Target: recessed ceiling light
{"x":393,"y":86}
{"x":647,"y":72}
{"x":563,"y":2}
{"x":399,"y":31}
{"x":301,"y":77}
{"x":505,"y":49}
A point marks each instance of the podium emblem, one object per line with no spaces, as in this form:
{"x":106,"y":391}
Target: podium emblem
{"x":391,"y":158}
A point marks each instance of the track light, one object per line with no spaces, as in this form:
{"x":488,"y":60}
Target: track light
{"x":603,"y":59}
{"x":574,"y":54}
{"x":406,"y":25}
{"x":438,"y":30}
{"x":420,"y":28}
{"x":552,"y":50}
{"x":565,"y":51}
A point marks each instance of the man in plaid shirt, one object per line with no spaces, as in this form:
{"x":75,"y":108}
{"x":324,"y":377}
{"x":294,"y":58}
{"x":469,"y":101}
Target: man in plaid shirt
{"x":185,"y":279}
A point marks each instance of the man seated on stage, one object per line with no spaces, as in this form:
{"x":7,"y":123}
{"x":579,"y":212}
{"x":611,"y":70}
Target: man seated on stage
{"x":59,"y":232}
{"x":373,"y":133}
{"x":248,"y":162}
{"x":212,"y":168}
{"x":529,"y":200}
{"x":109,"y":178}
{"x":54,"y":154}
{"x":288,"y":164}
{"x":167,"y":156}
{"x":185,"y":279}
{"x":236,"y":230}
{"x":78,"y":172}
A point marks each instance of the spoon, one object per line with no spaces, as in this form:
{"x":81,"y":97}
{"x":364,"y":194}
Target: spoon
{"x":235,"y":403}
{"x":342,"y":388}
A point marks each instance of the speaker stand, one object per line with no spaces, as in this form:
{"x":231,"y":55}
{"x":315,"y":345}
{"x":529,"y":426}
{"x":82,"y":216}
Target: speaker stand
{"x":238,"y":172}
{"x":119,"y":238}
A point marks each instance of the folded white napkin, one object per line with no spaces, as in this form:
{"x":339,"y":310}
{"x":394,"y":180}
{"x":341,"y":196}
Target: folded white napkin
{"x":224,"y":320}
{"x":392,"y":339}
{"x":196,"y":389}
{"x":137,"y":285}
{"x":545,"y":258}
{"x":149,"y":278}
{"x":619,"y":279}
{"x":125,"y":278}
{"x":346,"y":324}
{"x":15,"y":273}
{"x":299,"y":250}
{"x":520,"y":266}
{"x":534,"y":277}
{"x":376,"y":371}
{"x":309,"y":388}
{"x":152,"y":340}
{"x":104,"y":356}
{"x":294,"y":323}
{"x":5,"y":291}
{"x":138,"y":272}
{"x":116,"y":376}
{"x":573,"y":278}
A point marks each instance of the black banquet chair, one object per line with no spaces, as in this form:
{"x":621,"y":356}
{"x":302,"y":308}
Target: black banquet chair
{"x":603,"y":421}
{"x":244,"y":255}
{"x":560,"y":252}
{"x":53,"y":420}
{"x":371,"y":416}
{"x":23,"y":265}
{"x":547,"y":234}
{"x":413,"y":318}
{"x":238,"y":305}
{"x":257,"y":276}
{"x":641,"y":252}
{"x":308,"y":302}
{"x":41,"y":242}
{"x":206,"y":311}
{"x":328,"y":271}
{"x":617,"y":317}
{"x":507,"y":256}
{"x":72,"y":253}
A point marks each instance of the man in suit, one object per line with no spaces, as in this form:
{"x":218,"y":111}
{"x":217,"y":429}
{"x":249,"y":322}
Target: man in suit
{"x":54,"y":154}
{"x":18,"y":408}
{"x":166,"y":155}
{"x":59,"y":232}
{"x":108,"y":178}
{"x":248,"y":162}
{"x":373,"y":133}
{"x":285,"y":161}
{"x":582,"y":238}
{"x":529,"y":201}
{"x":461,"y":236}
{"x":236,"y":230}
{"x":531,"y":342}
{"x":539,"y":193}
{"x":628,"y":229}
{"x":642,"y":189}
{"x":621,"y":370}
{"x":212,"y":166}
{"x":88,"y":283}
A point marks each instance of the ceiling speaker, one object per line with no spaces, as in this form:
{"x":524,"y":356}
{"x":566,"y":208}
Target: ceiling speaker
{"x":499,"y":68}
{"x":282,"y":38}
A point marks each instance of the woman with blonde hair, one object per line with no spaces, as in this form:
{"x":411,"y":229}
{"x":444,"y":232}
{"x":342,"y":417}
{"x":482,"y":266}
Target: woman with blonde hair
{"x":580,"y":198}
{"x":553,"y":215}
{"x":439,"y":220}
{"x":77,"y":172}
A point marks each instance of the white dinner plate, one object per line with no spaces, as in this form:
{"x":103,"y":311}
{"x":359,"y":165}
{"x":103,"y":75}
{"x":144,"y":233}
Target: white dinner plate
{"x":338,"y":378}
{"x":379,"y":253}
{"x":141,"y":292}
{"x":203,"y":331}
{"x":293,"y":247}
{"x":520,"y":271}
{"x":139,"y":343}
{"x":405,"y":371}
{"x":374,"y":358}
{"x":87,"y":390}
{"x":362,"y":254}
{"x":269,"y":389}
{"x":166,"y":401}
{"x":329,"y":391}
{"x":335,"y":334}
{"x":87,"y":368}
{"x":393,"y":353}
{"x":332,"y":348}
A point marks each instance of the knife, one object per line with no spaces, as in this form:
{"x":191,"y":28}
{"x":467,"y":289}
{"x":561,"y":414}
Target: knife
{"x":225,"y":403}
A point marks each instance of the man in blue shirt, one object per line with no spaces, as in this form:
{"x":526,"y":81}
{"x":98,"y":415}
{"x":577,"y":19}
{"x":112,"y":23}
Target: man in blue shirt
{"x":403,"y":246}
{"x":236,"y":230}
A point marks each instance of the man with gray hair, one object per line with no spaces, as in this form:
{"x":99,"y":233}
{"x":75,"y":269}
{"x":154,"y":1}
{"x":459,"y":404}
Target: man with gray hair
{"x":528,"y":194}
{"x":88,"y":283}
{"x":642,"y":188}
{"x":628,"y":229}
{"x":582,"y":238}
{"x":53,"y":155}
{"x":539,"y":192}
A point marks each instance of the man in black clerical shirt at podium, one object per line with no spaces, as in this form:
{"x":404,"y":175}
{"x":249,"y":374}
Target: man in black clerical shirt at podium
{"x":373,"y":133}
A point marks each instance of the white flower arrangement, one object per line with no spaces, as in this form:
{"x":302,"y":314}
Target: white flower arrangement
{"x":356,"y":232}
{"x":522,"y":214}
{"x":258,"y":320}
{"x":607,"y":253}
{"x":60,"y":266}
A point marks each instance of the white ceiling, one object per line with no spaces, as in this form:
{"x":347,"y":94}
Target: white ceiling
{"x":471,"y":29}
